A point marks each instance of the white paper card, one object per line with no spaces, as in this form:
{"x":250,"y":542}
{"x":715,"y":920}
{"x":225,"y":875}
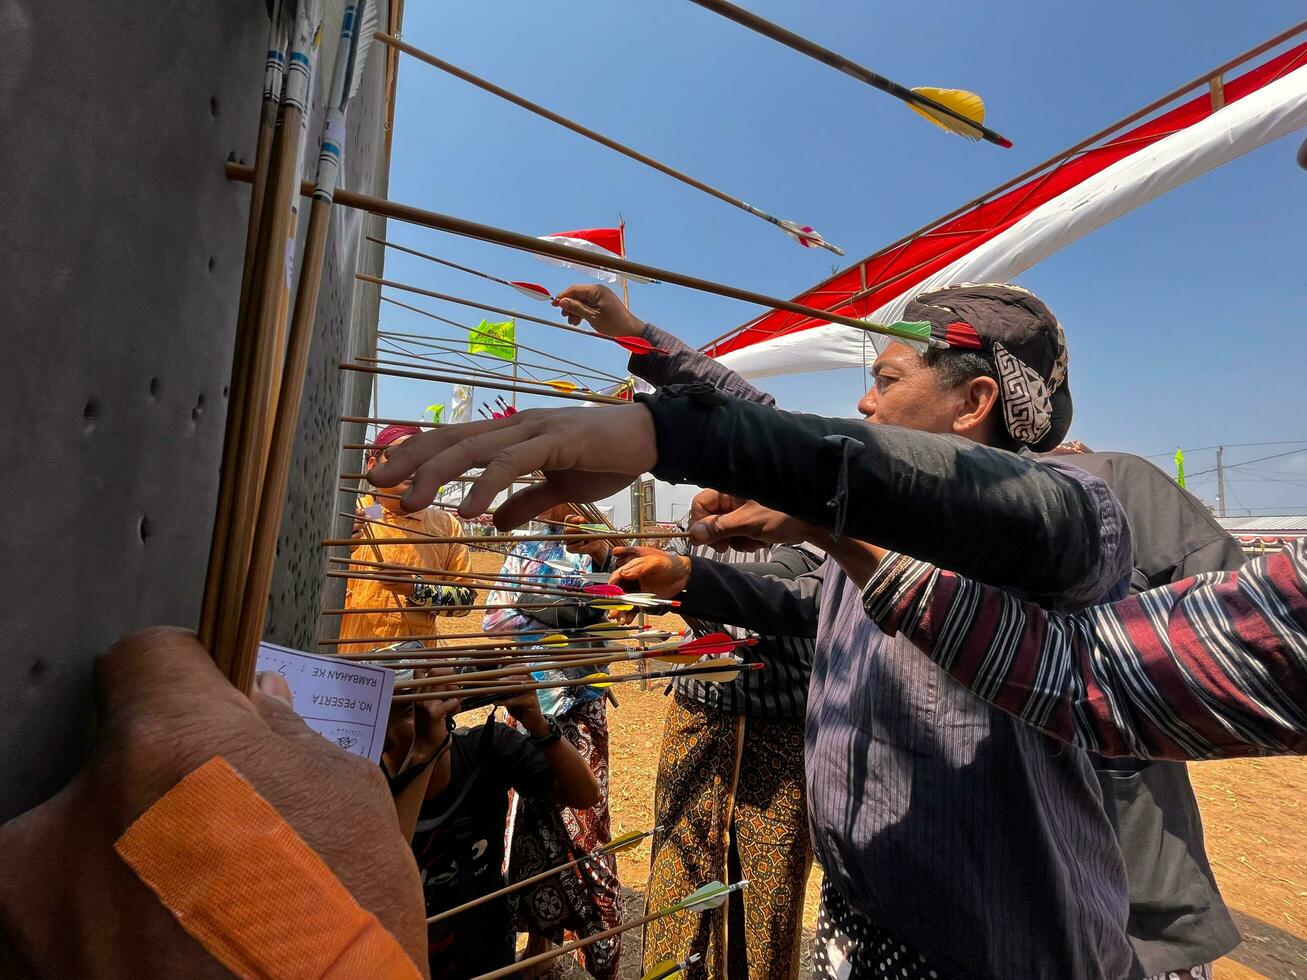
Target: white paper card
{"x":345,"y":702}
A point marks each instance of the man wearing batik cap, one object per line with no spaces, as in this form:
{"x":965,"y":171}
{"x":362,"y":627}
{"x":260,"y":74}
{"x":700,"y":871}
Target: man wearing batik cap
{"x":955,"y":841}
{"x":410,"y":601}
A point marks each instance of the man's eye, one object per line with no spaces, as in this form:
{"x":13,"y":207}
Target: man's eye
{"x":883,"y":381}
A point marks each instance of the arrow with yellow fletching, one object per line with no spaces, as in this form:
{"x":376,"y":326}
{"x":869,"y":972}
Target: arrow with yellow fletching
{"x":953,"y":109}
{"x":668,"y":969}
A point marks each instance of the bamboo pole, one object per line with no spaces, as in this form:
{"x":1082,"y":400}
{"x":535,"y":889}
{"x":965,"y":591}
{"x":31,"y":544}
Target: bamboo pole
{"x":242,"y":471}
{"x":251,"y":611}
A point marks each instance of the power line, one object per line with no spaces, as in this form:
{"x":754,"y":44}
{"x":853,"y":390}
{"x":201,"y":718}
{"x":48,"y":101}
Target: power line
{"x":1233,"y":445}
{"x":1259,"y":459}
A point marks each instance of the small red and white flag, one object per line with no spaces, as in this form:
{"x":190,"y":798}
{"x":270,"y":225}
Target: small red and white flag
{"x":604,"y":243}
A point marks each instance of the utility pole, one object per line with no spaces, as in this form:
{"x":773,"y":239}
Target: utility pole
{"x":1220,"y":481}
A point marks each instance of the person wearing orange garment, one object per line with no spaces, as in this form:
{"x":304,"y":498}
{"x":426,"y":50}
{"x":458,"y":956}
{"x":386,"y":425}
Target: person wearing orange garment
{"x":419,"y":600}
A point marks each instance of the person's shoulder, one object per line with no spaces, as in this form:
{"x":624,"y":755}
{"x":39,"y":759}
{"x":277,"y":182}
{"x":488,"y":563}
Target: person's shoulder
{"x":440,"y":522}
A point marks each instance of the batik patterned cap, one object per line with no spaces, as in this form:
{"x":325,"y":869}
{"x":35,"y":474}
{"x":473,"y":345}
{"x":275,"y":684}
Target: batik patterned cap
{"x":1028,"y":347}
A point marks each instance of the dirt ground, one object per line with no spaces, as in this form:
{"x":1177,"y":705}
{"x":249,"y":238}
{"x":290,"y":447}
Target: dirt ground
{"x":1254,"y":812}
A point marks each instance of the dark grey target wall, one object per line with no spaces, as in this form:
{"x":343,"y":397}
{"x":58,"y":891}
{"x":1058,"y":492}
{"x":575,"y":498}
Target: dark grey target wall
{"x":120,"y":262}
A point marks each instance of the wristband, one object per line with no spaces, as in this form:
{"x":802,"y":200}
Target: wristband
{"x":550,"y":737}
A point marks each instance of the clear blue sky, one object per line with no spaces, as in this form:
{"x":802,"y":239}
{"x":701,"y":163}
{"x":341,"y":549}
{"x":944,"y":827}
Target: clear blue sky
{"x":1185,"y":318}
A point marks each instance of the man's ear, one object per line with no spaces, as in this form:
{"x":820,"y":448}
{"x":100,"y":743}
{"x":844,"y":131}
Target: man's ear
{"x":979,"y":402}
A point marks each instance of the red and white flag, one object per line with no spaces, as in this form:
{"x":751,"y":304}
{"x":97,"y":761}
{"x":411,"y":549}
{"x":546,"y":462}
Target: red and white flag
{"x":603,"y":243}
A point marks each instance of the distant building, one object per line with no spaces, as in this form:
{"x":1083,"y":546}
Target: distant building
{"x":1259,"y":535}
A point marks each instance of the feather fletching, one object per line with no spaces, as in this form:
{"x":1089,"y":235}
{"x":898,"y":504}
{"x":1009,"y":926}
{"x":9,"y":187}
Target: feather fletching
{"x":367,"y":30}
{"x":965,"y":103}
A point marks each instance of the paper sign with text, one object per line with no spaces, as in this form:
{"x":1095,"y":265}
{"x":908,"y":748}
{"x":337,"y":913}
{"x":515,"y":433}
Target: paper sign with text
{"x":345,"y":702}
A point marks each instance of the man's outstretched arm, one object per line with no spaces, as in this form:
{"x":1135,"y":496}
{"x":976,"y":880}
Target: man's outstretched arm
{"x":1212,"y":667}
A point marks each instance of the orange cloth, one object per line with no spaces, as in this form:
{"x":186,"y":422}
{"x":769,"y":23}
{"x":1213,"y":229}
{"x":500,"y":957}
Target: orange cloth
{"x":382,"y":628}
{"x":241,"y":881}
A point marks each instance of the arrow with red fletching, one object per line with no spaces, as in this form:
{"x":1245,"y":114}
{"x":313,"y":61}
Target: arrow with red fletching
{"x":637,"y":345}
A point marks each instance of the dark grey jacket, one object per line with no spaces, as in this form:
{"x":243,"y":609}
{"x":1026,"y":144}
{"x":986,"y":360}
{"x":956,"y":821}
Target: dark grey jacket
{"x":1177,"y":916}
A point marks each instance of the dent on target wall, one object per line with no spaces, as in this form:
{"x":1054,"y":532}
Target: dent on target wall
{"x":121,"y":248}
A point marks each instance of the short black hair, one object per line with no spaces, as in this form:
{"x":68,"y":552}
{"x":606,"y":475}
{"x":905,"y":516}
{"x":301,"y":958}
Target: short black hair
{"x":955,"y":366}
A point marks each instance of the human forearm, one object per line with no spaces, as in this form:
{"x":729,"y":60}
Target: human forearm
{"x":772,"y":606}
{"x":574,"y":784}
{"x":682,"y":364}
{"x":988,"y":513}
{"x":1201,"y":669}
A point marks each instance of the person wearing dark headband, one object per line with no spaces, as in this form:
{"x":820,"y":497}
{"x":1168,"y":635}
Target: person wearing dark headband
{"x":955,"y":841}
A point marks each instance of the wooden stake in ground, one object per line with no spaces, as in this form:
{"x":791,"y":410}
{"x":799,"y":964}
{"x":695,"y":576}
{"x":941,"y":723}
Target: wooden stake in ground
{"x":358,"y":25}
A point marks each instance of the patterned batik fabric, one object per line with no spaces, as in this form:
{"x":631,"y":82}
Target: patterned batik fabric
{"x":849,"y":946}
{"x":730,"y":799}
{"x":526,"y":563}
{"x":582,"y":900}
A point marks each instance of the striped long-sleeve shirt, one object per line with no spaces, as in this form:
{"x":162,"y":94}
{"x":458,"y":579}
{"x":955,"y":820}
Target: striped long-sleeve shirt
{"x":1211,"y":667}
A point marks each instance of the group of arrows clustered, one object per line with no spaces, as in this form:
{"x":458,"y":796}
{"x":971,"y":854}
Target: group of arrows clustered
{"x":272,"y":343}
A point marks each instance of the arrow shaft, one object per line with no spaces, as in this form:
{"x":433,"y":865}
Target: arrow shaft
{"x":527,"y":882}
{"x":538,"y":666}
{"x":840,"y":63}
{"x":566,"y":948}
{"x":452,"y":323}
{"x":509,"y":689}
{"x":513,"y":538}
{"x":459,"y":379}
{"x":574,"y":126}
{"x":526,"y":243}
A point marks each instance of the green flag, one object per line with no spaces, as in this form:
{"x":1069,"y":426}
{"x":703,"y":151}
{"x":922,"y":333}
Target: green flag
{"x":495,"y":339}
{"x":1179,"y":466}
{"x":433,"y":413}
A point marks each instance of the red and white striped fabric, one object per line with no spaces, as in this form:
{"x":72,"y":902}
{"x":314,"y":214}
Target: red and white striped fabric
{"x":1006,"y":235}
{"x":605,"y":243}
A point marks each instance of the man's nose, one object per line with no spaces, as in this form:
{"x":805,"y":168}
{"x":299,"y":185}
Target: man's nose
{"x":867,"y":405}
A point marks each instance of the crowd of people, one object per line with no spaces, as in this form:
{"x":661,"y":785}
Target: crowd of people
{"x":988,"y":654}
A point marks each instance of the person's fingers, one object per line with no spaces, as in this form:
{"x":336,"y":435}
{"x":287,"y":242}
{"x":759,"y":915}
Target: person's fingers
{"x":503,"y":469}
{"x":474,"y":450}
{"x":405,"y":460}
{"x":527,"y":503}
{"x":280,"y":716}
{"x":274,"y":686}
{"x":575,"y":310}
{"x":630,"y":572}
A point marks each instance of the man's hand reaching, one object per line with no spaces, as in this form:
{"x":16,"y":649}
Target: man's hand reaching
{"x":600,"y":307}
{"x":585,"y":454}
{"x":725,"y":521}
